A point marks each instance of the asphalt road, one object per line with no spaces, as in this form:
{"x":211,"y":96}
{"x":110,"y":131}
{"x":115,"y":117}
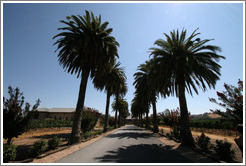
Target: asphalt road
{"x":129,"y":144}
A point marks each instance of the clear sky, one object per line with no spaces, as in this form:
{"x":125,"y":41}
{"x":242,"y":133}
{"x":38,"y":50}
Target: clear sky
{"x":29,"y":60}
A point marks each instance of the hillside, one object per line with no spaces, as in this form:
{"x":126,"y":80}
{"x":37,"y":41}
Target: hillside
{"x":205,"y":116}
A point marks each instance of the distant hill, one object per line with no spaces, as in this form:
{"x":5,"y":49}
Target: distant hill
{"x":205,"y":116}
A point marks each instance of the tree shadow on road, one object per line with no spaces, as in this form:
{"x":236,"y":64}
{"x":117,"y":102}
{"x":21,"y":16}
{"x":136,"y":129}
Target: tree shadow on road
{"x":132,"y":128}
{"x":144,"y":153}
{"x":129,"y":135}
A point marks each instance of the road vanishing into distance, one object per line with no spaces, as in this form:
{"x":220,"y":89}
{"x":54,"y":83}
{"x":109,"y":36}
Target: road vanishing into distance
{"x":129,"y":144}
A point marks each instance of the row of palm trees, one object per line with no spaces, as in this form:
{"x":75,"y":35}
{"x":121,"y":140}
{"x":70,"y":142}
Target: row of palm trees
{"x":86,"y":48}
{"x":178,"y":64}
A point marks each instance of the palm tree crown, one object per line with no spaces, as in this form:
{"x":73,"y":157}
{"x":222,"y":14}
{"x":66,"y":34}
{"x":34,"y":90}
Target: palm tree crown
{"x":110,"y":78}
{"x":86,"y":43}
{"x":188,"y":60}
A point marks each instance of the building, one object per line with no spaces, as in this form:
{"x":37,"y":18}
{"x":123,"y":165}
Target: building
{"x":55,"y":113}
{"x":130,"y":120}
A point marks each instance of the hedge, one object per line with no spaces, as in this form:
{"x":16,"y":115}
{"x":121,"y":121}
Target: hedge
{"x":47,"y":123}
{"x":212,"y":124}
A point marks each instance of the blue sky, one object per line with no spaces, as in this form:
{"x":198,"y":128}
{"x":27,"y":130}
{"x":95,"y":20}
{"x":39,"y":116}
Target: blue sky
{"x":29,"y":60}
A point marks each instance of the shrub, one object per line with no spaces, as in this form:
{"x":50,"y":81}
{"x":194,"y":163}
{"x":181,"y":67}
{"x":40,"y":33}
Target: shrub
{"x":175,"y":132}
{"x":111,"y":121}
{"x":9,"y":152}
{"x":16,"y":114}
{"x":162,"y":131}
{"x":203,"y":142}
{"x":39,"y":148}
{"x":86,"y":134}
{"x":224,"y":151}
{"x":35,"y":123}
{"x":89,"y":119}
{"x":54,"y":143}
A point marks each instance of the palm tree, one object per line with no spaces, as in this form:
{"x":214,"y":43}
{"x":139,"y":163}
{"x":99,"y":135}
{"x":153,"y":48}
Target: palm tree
{"x":119,"y":93}
{"x":181,"y":64}
{"x":122,"y":107}
{"x":84,"y":45}
{"x":144,"y":82}
{"x":109,"y":80}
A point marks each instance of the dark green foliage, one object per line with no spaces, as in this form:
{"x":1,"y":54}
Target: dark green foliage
{"x":9,"y":152}
{"x":47,"y":123}
{"x":111,"y":121}
{"x":212,"y":124}
{"x":39,"y":148}
{"x":89,"y":119}
{"x":224,"y":151}
{"x":15,"y":116}
{"x":54,"y":143}
{"x":89,"y":134}
{"x":203,"y":142}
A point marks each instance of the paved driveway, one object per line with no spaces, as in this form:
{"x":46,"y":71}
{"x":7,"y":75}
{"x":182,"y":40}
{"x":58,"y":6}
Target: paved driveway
{"x":129,"y":144}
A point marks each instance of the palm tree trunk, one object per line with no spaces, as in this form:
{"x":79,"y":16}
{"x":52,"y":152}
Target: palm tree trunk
{"x":115,"y":117}
{"x":155,"y":129}
{"x":147,"y":121}
{"x":106,"y":113}
{"x":119,"y":119}
{"x":141,"y":120}
{"x":185,"y":133}
{"x":116,"y":111}
{"x":76,"y":130}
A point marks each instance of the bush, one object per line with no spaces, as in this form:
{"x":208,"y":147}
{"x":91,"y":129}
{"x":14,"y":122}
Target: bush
{"x":16,"y":114}
{"x":203,"y":142}
{"x":212,"y":124}
{"x":47,"y":123}
{"x":111,"y":121}
{"x":89,"y":120}
{"x":175,"y":132}
{"x":54,"y":143}
{"x":224,"y":151}
{"x":39,"y":148}
{"x":86,"y":134}
{"x":9,"y":152}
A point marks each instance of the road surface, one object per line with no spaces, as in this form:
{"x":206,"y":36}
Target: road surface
{"x":129,"y":144}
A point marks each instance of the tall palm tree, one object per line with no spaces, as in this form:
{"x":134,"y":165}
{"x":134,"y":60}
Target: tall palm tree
{"x":108,"y":79}
{"x":84,"y":45}
{"x":145,"y":81}
{"x":183,"y":64}
{"x":120,"y":92}
{"x":122,"y":107}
